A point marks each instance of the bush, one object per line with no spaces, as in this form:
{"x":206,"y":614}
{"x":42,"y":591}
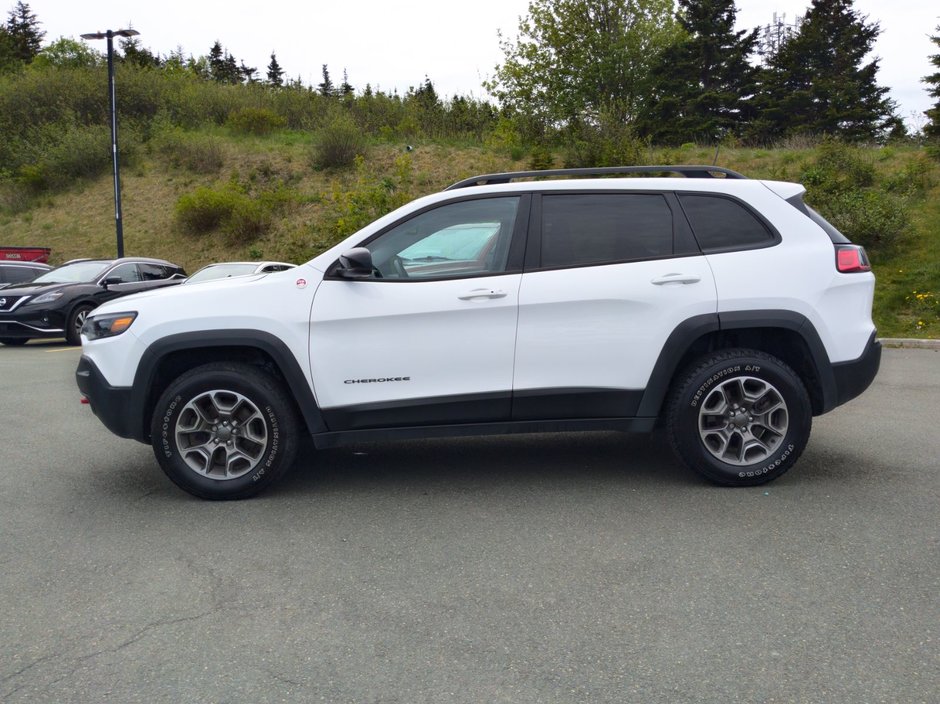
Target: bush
{"x":255,"y":121}
{"x":604,"y":145}
{"x":872,"y":218}
{"x":199,"y":153}
{"x":242,"y":216}
{"x":841,"y":184}
{"x":79,"y":153}
{"x":206,"y":208}
{"x":339,"y":144}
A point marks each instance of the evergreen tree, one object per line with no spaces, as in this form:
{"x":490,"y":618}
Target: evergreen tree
{"x":932,"y":128}
{"x":275,"y":72}
{"x":345,"y":87}
{"x":246,"y":73}
{"x":216,"y":61}
{"x":326,"y":87}
{"x":223,"y":67}
{"x":703,"y":84}
{"x":134,"y":53}
{"x":817,"y":82}
{"x":23,"y":29}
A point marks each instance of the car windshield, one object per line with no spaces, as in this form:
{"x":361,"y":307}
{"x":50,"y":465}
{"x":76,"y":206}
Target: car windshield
{"x":221,"y":271}
{"x":75,"y":273}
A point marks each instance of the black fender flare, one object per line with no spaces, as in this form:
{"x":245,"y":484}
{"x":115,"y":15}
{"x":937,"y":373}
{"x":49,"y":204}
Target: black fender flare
{"x":684,"y":336}
{"x":297,"y":385}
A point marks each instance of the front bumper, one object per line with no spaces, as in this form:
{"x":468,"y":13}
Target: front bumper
{"x":30,"y":327}
{"x":852,"y":378}
{"x":113,"y":405}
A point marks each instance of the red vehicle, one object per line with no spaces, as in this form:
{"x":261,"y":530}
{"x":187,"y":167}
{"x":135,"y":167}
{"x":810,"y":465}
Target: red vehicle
{"x":25,"y":254}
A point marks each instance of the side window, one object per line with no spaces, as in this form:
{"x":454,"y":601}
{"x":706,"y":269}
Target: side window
{"x":153,"y":272}
{"x":469,"y":238}
{"x":19,"y":274}
{"x":722,"y":224}
{"x":125,"y":272}
{"x":603,"y":228}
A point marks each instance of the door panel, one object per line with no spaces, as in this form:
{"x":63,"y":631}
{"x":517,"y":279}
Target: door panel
{"x":602,"y":327}
{"x":442,"y":349}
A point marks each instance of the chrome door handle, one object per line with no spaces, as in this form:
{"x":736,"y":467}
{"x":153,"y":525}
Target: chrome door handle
{"x":676,"y":278}
{"x":482,"y":293}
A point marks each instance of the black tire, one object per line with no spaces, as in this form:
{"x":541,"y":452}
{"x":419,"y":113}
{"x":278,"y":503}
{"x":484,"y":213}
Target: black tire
{"x":251,"y":445}
{"x":73,"y":330}
{"x":739,"y":417}
{"x":13,"y":341}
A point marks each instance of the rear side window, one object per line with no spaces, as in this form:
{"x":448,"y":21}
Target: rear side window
{"x":602,"y":228}
{"x":722,"y":224}
{"x":18,"y":274}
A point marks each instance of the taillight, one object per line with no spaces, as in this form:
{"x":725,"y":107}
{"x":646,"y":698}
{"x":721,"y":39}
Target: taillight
{"x":850,"y":258}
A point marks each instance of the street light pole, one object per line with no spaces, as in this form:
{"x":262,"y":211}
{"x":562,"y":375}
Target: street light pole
{"x":112,"y":101}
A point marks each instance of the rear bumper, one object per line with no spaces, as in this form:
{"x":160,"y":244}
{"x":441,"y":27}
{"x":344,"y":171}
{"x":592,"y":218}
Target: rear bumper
{"x":111,"y":404}
{"x":852,"y":378}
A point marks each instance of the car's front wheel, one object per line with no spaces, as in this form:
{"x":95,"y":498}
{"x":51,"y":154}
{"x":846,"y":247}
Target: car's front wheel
{"x":73,"y":330}
{"x":224,"y":431}
{"x":739,"y":417}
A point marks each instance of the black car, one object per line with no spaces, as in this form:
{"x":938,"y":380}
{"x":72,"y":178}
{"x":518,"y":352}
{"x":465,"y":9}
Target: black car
{"x":56,"y":303}
{"x":14,"y":272}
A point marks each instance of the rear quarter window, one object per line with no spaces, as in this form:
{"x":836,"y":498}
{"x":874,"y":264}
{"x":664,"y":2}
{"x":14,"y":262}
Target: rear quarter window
{"x":600,"y":228}
{"x":722,"y":224}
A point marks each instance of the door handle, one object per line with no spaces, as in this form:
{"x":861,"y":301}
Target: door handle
{"x":676,"y":278}
{"x":482,"y":293}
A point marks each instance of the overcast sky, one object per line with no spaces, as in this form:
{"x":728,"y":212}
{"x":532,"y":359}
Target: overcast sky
{"x":393,"y":45}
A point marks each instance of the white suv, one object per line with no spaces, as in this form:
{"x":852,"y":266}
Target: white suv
{"x":720,"y":307}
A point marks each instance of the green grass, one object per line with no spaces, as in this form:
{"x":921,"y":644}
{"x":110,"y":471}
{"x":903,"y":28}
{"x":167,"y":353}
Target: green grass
{"x":322,"y":207}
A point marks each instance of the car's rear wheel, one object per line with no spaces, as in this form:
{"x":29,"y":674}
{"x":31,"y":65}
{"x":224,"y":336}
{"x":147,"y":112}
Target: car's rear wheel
{"x":73,"y":330}
{"x":224,"y":431}
{"x":739,"y":417}
{"x":13,"y":341}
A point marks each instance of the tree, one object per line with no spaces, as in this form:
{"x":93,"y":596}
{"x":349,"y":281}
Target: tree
{"x":702,"y":85}
{"x":326,"y":87}
{"x":223,"y":67}
{"x":275,"y":72}
{"x":134,"y":53}
{"x":345,"y":87}
{"x":818,"y":83}
{"x":68,"y":53}
{"x":932,"y":128}
{"x":576,"y":60}
{"x":23,"y":29}
{"x":246,"y":73}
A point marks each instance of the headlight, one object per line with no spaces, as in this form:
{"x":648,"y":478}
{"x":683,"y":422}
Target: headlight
{"x":47,"y":297}
{"x":107,"y":325}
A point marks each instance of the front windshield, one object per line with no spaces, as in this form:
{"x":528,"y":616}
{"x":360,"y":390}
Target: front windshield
{"x":76,"y":273}
{"x":221,"y":271}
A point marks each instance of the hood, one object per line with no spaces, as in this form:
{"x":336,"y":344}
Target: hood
{"x":31,"y":289}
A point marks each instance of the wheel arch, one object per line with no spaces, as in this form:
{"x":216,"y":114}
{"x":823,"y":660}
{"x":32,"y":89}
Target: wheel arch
{"x":171,"y":356}
{"x":788,"y":336}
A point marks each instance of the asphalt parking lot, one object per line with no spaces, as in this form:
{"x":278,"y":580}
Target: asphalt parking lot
{"x":569,"y":568}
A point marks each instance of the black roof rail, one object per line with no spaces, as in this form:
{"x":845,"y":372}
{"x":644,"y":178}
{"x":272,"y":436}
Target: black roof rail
{"x":694,"y":171}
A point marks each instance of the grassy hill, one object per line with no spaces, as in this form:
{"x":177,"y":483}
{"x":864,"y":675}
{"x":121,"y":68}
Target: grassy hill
{"x":213,"y":193}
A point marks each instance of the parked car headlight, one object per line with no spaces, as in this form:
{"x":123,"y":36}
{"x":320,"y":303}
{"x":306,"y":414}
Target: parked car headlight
{"x":107,"y":325}
{"x":47,"y":297}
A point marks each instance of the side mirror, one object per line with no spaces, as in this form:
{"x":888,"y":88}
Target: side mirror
{"x":111,"y":281}
{"x":355,"y":264}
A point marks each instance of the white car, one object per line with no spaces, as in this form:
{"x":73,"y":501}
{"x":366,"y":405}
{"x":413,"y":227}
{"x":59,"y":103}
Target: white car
{"x":225,"y":270}
{"x":721,"y":307}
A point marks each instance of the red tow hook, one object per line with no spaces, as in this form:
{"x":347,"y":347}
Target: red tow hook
{"x":85,"y":401}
